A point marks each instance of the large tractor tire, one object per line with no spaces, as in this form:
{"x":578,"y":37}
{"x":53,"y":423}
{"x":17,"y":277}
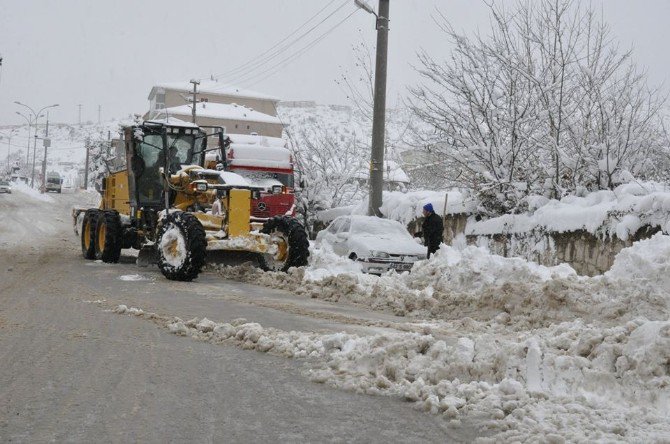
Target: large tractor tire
{"x":293,"y":248}
{"x":108,"y":234}
{"x":88,"y":227}
{"x":181,"y":247}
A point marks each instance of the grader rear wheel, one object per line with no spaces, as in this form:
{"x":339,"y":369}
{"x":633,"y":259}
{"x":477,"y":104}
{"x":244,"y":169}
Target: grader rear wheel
{"x":292,"y":244}
{"x":88,"y":227}
{"x":108,"y":236}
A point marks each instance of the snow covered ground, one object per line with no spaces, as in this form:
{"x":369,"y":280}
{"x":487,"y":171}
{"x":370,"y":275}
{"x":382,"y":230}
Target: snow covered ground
{"x":539,"y":353}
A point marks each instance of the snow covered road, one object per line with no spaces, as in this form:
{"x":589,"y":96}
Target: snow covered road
{"x":70,"y":370}
{"x":468,"y":346}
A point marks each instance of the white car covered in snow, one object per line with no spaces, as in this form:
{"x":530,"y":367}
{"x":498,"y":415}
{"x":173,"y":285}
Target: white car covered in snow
{"x":377,"y":244}
{"x":5,"y":187}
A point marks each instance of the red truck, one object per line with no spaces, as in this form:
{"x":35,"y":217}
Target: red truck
{"x":267,"y":163}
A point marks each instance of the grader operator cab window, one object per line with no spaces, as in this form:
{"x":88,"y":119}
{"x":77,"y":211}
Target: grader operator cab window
{"x":185,"y":146}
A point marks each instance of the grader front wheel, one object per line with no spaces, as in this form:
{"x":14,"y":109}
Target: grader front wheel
{"x":290,"y":237}
{"x":181,"y":247}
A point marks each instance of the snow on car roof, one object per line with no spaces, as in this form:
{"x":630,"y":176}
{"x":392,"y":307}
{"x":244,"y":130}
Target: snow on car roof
{"x":376,"y":226}
{"x":213,"y":87}
{"x":222,"y":111}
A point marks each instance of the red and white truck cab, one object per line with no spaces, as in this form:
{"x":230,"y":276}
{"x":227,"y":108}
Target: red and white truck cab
{"x":265,"y":162}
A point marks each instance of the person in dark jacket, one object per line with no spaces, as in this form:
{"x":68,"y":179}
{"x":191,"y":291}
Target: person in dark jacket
{"x":432,"y":229}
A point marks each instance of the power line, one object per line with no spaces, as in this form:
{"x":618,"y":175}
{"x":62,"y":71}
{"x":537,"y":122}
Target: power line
{"x":254,"y":77}
{"x":282,"y":40}
{"x":257,"y":62}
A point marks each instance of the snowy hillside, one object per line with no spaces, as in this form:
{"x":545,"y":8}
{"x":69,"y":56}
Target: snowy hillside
{"x":67,"y":153}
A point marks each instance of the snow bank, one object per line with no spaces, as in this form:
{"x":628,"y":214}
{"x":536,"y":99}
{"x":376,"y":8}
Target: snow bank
{"x":31,"y":193}
{"x":646,"y":260}
{"x":570,"y":382}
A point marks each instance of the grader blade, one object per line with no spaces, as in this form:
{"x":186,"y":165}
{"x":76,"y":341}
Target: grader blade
{"x":147,"y":256}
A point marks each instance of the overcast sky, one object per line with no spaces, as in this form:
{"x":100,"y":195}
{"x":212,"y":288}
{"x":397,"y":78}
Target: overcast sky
{"x":110,"y":53}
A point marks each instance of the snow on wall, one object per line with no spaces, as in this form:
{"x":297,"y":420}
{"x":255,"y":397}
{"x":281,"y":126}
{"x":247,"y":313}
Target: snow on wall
{"x":620,"y":212}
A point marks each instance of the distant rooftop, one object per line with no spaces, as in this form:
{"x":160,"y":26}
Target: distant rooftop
{"x":213,"y":87}
{"x":222,"y":111}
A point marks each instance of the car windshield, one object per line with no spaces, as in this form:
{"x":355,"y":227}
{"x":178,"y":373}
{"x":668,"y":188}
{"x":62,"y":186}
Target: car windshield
{"x":4,"y":182}
{"x":374,"y":226}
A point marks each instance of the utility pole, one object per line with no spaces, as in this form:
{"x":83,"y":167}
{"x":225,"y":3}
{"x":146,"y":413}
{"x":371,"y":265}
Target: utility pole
{"x":88,"y":149}
{"x":379,"y":114}
{"x":195,"y":92}
{"x":79,"y":114}
{"x":99,"y":109}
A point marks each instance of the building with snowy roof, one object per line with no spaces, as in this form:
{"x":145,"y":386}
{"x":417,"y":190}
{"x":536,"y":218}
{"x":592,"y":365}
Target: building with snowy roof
{"x":234,"y":118}
{"x":171,"y":94}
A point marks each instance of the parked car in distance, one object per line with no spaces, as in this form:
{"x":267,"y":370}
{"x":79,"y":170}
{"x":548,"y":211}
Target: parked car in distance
{"x":5,"y":187}
{"x":54,"y":182}
{"x":377,"y":244}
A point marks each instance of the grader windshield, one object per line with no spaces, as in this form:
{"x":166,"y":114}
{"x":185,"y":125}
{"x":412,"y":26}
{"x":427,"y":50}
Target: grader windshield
{"x":167,"y":147}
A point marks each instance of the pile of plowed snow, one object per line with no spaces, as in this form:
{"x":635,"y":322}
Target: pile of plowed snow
{"x":471,"y":283}
{"x":541,"y":353}
{"x":568,"y":382}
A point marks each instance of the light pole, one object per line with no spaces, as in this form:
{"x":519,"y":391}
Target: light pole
{"x":30,"y":124}
{"x":37,"y":116}
{"x":379,"y":113}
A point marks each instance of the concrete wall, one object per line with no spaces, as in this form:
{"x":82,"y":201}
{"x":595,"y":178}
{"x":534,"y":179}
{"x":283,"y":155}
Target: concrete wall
{"x":588,"y":254}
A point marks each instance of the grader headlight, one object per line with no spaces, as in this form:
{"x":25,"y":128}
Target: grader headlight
{"x":199,"y":185}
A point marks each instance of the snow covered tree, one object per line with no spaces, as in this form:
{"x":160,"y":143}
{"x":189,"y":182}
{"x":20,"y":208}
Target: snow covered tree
{"x":545,"y":103}
{"x":99,"y":153}
{"x":329,"y":163}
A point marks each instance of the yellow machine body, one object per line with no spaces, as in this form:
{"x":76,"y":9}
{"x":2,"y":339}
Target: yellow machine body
{"x":239,"y":212}
{"x":116,"y":194}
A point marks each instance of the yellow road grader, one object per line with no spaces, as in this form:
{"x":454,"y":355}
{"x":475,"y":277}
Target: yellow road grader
{"x":162,"y":201}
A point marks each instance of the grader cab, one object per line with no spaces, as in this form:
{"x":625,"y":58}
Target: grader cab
{"x":164,"y":203}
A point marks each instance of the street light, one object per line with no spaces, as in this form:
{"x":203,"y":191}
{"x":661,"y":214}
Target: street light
{"x":30,"y":124}
{"x":37,"y":116}
{"x":379,"y":112}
